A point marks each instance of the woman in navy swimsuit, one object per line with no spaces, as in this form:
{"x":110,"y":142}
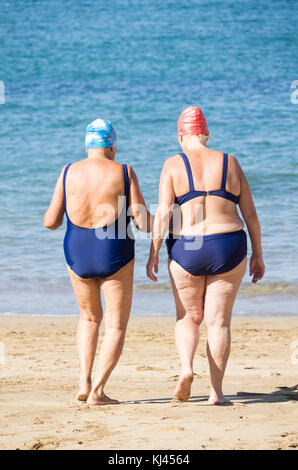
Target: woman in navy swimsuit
{"x":95,"y":194}
{"x":199,"y":192}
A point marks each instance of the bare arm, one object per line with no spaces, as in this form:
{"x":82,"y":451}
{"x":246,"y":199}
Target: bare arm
{"x":53,"y":217}
{"x":138,"y":209}
{"x":162,"y":218}
{"x":249,"y":213}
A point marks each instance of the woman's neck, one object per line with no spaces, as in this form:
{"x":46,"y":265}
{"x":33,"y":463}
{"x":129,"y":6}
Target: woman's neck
{"x":101,"y":153}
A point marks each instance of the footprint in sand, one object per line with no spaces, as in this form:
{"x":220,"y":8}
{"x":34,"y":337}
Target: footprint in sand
{"x":145,"y":368}
{"x":289,"y":440}
{"x":37,"y":444}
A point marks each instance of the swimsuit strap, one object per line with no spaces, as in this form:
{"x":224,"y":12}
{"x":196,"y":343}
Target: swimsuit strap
{"x":126,"y":180}
{"x":224,"y":171}
{"x":189,"y":172}
{"x":64,"y":192}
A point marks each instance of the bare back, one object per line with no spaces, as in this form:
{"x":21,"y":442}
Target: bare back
{"x":92,"y":186}
{"x":206,"y":214}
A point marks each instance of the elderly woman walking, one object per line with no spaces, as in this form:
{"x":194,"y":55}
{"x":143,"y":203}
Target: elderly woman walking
{"x":207,"y":249}
{"x":94,"y":193}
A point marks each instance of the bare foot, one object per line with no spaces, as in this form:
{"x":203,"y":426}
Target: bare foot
{"x":82,"y":396}
{"x":97,"y":400}
{"x":182,"y":391}
{"x":85,"y":389}
{"x":218,"y":400}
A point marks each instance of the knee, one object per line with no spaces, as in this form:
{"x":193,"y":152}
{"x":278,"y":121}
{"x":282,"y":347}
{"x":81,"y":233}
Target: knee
{"x":195,"y":317}
{"x":217,"y":324}
{"x":91,"y":316}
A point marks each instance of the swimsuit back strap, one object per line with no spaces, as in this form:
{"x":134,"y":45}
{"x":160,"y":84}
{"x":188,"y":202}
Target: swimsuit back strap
{"x":189,"y":172}
{"x":224,"y":171}
{"x":126,"y":181}
{"x":64,"y":180}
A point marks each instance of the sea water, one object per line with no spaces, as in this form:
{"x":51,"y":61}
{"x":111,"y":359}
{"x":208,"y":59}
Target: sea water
{"x":139,"y":64}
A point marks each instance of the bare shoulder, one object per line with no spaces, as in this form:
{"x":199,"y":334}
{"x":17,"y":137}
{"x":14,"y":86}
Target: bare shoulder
{"x":234,"y":164}
{"x":130,"y":169}
{"x":173,"y":159}
{"x":233,"y":159}
{"x":131,"y":172}
{"x":63,"y":171}
{"x":78,"y":162}
{"x":75,"y":168}
{"x":172,"y":163}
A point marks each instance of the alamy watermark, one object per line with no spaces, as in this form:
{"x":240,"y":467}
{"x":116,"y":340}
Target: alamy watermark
{"x":2,"y":92}
{"x":170,"y":219}
{"x":294,"y":94}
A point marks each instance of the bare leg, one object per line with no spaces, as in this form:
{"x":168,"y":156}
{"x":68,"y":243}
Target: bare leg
{"x":117,"y":290}
{"x":87,"y":293}
{"x":221,"y":290}
{"x":189,"y":298}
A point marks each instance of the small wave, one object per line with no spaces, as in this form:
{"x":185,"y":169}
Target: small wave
{"x":161,"y":286}
{"x":268,"y":288}
{"x":250,"y":290}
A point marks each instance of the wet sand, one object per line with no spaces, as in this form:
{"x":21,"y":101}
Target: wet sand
{"x":38,"y":385}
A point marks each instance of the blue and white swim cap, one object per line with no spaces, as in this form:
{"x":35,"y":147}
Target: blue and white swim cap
{"x":100,"y":133}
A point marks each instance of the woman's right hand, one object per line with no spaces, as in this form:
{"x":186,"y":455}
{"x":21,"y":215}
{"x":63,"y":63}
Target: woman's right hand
{"x":256,"y":268}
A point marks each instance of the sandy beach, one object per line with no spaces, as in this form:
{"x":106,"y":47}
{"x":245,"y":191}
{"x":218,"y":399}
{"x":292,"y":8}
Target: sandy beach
{"x":39,"y":382}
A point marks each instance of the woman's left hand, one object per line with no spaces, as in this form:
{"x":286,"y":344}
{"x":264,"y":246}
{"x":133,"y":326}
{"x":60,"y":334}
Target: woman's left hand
{"x":152,"y":264}
{"x":256,"y":268}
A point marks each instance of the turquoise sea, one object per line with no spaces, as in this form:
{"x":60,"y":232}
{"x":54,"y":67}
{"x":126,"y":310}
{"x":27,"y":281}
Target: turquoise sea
{"x":138,"y":64}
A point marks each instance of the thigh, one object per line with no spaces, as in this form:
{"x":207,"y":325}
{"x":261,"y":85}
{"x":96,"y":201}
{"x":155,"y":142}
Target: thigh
{"x":188,"y":291}
{"x":117,"y":291}
{"x":87,"y":292}
{"x":221,"y":290}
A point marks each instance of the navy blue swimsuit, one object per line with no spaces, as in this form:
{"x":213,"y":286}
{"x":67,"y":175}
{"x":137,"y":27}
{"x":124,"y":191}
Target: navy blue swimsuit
{"x":99,"y":252}
{"x":207,"y":254}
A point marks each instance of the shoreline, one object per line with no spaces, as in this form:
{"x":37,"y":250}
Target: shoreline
{"x":170,"y":315}
{"x":39,"y":382}
{"x":147,"y":302}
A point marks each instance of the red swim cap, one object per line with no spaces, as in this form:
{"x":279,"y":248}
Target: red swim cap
{"x":192,"y":122}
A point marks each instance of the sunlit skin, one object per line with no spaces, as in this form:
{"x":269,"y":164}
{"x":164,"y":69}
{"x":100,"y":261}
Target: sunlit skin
{"x":91,"y":184}
{"x":211,"y":296}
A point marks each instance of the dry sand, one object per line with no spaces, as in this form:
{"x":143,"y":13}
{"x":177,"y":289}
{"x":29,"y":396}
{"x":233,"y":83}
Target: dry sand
{"x":39,"y":383}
